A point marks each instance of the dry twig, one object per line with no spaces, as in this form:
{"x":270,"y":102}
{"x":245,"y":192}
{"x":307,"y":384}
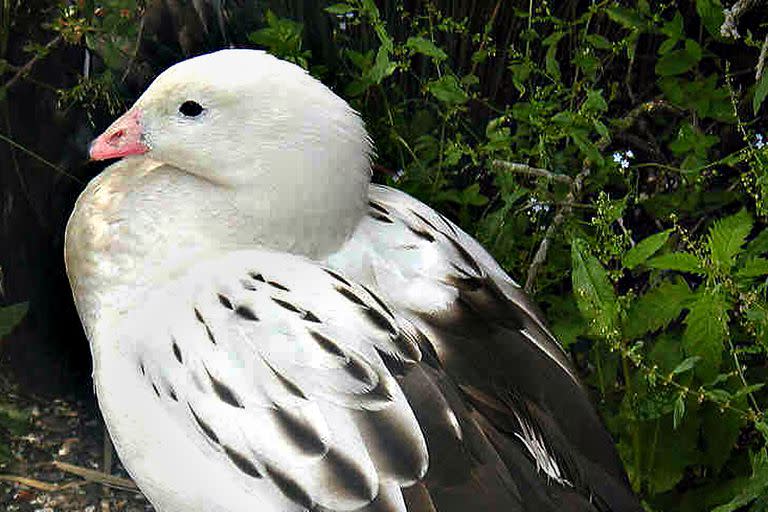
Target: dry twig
{"x":761,"y":60}
{"x":541,"y":253}
{"x":95,"y":476}
{"x":38,"y":484}
{"x":531,"y":171}
{"x":732,"y":16}
{"x":23,"y":70}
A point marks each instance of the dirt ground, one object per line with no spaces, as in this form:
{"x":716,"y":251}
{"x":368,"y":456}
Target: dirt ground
{"x":56,"y":465}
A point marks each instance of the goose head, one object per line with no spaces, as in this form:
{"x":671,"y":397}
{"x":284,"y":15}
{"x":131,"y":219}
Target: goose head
{"x":239,"y":118}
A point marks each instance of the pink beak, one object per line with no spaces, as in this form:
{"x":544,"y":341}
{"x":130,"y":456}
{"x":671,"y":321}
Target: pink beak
{"x":123,"y":138}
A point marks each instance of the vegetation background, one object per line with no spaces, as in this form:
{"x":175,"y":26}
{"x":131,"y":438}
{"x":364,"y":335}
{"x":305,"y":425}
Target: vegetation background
{"x":612,"y":156}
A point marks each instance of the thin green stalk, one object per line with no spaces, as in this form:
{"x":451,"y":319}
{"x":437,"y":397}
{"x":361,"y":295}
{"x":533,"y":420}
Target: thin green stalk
{"x":636,"y":453}
{"x":39,"y":158}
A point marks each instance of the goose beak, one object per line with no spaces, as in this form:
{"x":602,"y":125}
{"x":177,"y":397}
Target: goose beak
{"x":125,"y":137}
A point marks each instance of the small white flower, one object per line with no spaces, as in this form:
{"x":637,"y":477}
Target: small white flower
{"x":622,"y":158}
{"x":759,"y":140}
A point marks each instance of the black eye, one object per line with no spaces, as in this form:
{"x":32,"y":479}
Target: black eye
{"x":191,"y":108}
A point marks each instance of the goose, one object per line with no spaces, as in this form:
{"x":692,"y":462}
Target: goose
{"x":272,"y":332}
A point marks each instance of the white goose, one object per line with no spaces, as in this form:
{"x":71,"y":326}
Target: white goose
{"x":272,"y":333}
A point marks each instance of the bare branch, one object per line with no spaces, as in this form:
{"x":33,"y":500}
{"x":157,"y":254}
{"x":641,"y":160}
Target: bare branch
{"x":761,"y":60}
{"x":530,"y":171}
{"x":95,"y":476}
{"x":541,"y":253}
{"x":23,"y":70}
{"x":732,"y":16}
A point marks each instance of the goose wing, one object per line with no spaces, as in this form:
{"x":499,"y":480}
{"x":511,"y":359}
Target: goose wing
{"x":287,"y":372}
{"x":492,"y":342}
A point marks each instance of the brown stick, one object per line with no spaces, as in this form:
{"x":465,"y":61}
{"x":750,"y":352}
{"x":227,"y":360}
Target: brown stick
{"x":38,"y":484}
{"x":531,"y":171}
{"x":96,"y":476}
{"x":541,"y":253}
{"x":761,"y":60}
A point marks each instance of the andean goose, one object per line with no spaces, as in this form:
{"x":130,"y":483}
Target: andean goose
{"x":270,"y":332}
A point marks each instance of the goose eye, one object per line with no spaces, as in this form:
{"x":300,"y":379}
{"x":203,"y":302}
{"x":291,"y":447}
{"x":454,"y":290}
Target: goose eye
{"x":190,"y":109}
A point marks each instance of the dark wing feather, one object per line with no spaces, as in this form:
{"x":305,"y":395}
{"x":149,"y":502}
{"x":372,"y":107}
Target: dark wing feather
{"x":489,"y":341}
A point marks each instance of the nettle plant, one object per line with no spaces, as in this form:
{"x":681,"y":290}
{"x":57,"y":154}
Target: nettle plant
{"x":611,"y":159}
{"x":609,"y":200}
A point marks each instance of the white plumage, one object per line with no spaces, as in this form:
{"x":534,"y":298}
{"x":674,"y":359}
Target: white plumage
{"x":271,"y":333}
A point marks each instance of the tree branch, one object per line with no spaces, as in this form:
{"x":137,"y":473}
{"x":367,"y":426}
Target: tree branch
{"x":732,"y":16}
{"x":527,"y":170}
{"x":761,"y":60}
{"x":23,"y":70}
{"x":541,"y":253}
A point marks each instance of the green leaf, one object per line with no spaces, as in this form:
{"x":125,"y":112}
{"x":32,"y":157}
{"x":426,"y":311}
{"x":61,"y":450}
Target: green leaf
{"x":339,"y":9}
{"x":595,"y":102}
{"x":673,"y":28}
{"x":645,"y":249}
{"x":755,"y":487}
{"x":761,"y":91}
{"x":726,"y":236}
{"x":759,"y":245}
{"x":753,"y":267}
{"x":679,"y":411}
{"x":594,"y":293}
{"x":686,"y":365}
{"x":382,"y":66}
{"x":705,"y":332}
{"x":550,"y":60}
{"x":680,"y":261}
{"x":679,"y":61}
{"x":720,"y":432}
{"x":369,"y":8}
{"x":657,"y":308}
{"x":625,"y":17}
{"x":425,"y":47}
{"x":599,"y":42}
{"x":10,"y":316}
{"x":711,"y":13}
{"x":448,"y":90}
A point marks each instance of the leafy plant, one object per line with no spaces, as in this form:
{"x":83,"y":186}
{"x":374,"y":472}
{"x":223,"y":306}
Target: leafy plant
{"x":611,"y":157}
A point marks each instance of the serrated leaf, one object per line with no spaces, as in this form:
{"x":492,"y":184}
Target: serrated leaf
{"x":425,"y":47}
{"x":753,"y":267}
{"x":687,"y":364}
{"x":761,"y":91}
{"x":10,"y":316}
{"x":752,"y":388}
{"x":594,"y":293}
{"x":720,"y":432}
{"x":550,"y":59}
{"x":754,"y":488}
{"x":645,"y":249}
{"x":679,"y":61}
{"x":339,"y":9}
{"x":382,"y":66}
{"x":705,"y":332}
{"x":626,"y":17}
{"x":599,"y":42}
{"x":680,"y":261}
{"x":726,"y":236}
{"x":759,"y":245}
{"x":448,"y":90}
{"x":657,"y":308}
{"x":594,"y":102}
{"x":711,"y":13}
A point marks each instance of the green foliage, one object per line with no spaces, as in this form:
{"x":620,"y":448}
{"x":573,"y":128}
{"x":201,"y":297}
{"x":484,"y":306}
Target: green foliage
{"x":653,"y":200}
{"x":10,"y":316}
{"x":283,"y":38}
